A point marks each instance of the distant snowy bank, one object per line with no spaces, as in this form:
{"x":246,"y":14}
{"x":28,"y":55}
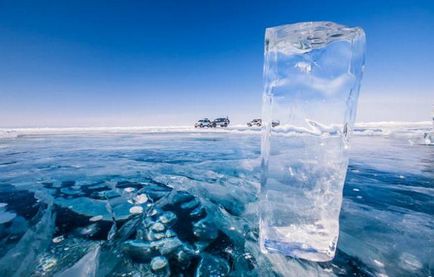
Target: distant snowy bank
{"x":392,"y":127}
{"x":362,"y":128}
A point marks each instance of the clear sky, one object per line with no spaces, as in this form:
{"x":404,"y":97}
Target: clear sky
{"x":130,"y":63}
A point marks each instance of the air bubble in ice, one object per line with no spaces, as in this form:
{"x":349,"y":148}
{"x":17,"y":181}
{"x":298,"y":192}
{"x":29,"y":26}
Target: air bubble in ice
{"x":303,"y":67}
{"x":136,"y":210}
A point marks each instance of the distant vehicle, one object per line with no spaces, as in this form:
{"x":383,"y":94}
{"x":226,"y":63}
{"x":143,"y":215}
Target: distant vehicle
{"x":258,"y":122}
{"x":221,"y":122}
{"x":203,"y":123}
{"x":255,"y":122}
{"x":275,"y":123}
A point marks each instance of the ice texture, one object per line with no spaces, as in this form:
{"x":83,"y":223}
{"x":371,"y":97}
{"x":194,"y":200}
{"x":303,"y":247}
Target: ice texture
{"x":201,"y":210}
{"x":312,"y":74}
{"x":85,"y":267}
{"x":32,"y":243}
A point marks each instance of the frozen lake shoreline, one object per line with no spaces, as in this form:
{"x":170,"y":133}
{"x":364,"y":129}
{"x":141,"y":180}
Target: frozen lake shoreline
{"x":362,"y":128}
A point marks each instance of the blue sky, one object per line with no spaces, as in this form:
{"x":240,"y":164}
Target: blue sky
{"x":129,"y":63}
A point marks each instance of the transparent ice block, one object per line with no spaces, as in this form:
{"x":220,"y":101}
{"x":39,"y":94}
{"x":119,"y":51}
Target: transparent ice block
{"x":312,"y":74}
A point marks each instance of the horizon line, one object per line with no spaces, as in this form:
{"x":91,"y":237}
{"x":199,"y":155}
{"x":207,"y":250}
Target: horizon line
{"x":138,"y":127}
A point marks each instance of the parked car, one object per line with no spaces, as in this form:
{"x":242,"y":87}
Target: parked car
{"x":221,"y":122}
{"x":258,"y":122}
{"x":255,"y":122}
{"x":203,"y":123}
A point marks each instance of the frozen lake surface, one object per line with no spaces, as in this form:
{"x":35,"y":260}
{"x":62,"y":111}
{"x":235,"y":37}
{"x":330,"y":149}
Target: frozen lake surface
{"x":143,"y":203}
